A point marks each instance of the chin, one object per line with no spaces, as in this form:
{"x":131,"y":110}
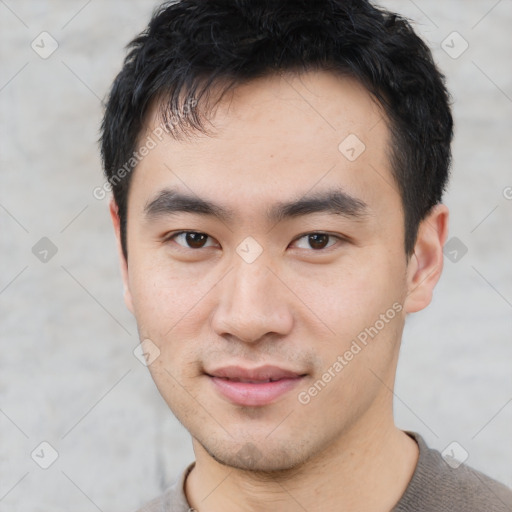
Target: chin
{"x":258,"y":457}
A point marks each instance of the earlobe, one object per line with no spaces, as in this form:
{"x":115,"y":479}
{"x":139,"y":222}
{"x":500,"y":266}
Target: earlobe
{"x":123,"y":264}
{"x":426,"y":264}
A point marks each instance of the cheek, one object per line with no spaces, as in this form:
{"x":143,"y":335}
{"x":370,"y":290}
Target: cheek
{"x":353,"y":293}
{"x":167,"y":299}
{"x":168,"y":312}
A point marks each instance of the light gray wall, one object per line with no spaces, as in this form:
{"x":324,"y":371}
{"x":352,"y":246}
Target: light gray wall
{"x":67,"y":372}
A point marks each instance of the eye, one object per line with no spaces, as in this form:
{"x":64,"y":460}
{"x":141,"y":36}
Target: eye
{"x":191,"y":239}
{"x":316,"y":241}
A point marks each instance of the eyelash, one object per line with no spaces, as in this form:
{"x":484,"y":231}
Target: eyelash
{"x":337,"y":237}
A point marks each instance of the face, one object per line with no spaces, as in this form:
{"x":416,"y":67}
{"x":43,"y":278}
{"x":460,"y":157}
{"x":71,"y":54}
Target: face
{"x":272,"y":250}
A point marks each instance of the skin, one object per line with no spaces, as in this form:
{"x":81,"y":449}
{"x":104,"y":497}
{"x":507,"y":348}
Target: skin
{"x":276,"y":139}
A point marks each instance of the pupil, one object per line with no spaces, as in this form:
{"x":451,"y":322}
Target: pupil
{"x":195,"y":239}
{"x":318,"y":241}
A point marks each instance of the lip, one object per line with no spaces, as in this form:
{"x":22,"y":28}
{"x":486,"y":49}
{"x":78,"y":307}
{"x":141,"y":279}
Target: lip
{"x":251,"y":386}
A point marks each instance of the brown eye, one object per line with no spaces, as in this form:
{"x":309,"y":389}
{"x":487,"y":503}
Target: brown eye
{"x":196,"y":240}
{"x":316,"y":241}
{"x":191,"y":239}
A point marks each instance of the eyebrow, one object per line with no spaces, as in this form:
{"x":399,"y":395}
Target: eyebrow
{"x":334,"y":201}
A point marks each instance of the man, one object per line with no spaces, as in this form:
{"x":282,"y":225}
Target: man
{"x":277,"y":171}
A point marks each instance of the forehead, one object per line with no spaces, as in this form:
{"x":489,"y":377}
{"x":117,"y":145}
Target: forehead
{"x":275,"y":138}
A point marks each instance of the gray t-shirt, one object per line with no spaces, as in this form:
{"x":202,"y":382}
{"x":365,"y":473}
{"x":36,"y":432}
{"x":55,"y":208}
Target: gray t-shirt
{"x":434,"y":487}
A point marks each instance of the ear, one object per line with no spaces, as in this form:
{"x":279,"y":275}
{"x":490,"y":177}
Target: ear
{"x":426,"y":264}
{"x":122,"y":260}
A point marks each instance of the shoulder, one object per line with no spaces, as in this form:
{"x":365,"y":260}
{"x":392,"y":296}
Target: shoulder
{"x":159,"y":504}
{"x":173,"y":499}
{"x":438,"y":486}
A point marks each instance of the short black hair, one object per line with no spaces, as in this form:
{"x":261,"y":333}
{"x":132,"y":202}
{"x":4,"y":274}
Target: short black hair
{"x":191,"y":47}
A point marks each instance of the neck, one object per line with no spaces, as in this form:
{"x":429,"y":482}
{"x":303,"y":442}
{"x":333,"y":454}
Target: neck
{"x":368,"y":468}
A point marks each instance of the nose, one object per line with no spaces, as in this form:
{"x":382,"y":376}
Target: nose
{"x":253,"y":303}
